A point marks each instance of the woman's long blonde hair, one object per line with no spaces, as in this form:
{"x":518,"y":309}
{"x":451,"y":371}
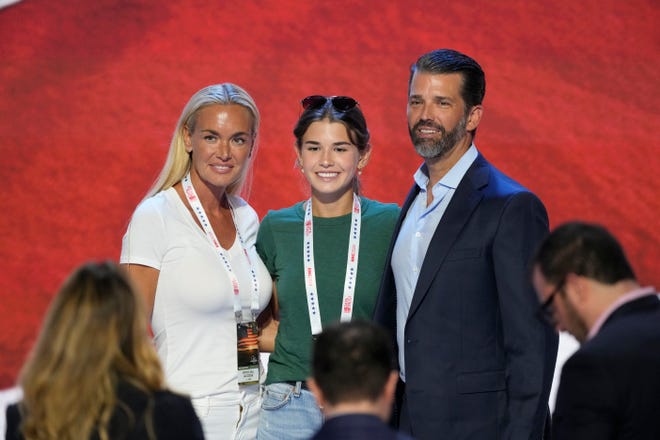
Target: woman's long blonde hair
{"x":94,"y":336}
{"x":178,"y":159}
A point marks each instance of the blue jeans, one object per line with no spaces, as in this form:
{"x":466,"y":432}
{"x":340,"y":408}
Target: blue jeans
{"x":288,"y":412}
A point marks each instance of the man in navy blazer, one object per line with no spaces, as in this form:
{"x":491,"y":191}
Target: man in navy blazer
{"x":610,"y":388}
{"x":353,"y":380}
{"x":475,"y":362}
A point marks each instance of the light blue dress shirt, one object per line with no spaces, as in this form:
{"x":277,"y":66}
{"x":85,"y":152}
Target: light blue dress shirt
{"x":415,"y":235}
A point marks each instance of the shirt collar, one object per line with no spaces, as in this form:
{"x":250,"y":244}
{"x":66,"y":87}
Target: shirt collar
{"x":453,"y":176}
{"x":625,"y":298}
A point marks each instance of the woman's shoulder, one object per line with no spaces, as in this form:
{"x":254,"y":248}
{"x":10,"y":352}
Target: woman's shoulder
{"x":157,"y":203}
{"x":374,"y":207}
{"x":293,"y":213}
{"x":241,"y":206}
{"x":244,"y":214}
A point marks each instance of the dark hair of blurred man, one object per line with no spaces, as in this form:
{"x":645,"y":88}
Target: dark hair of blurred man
{"x":354,"y":380}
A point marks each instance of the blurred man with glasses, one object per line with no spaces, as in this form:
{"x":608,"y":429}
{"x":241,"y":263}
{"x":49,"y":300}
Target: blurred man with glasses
{"x":610,"y":388}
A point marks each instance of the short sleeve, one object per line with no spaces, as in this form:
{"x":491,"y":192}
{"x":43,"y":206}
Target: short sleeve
{"x":145,"y":237}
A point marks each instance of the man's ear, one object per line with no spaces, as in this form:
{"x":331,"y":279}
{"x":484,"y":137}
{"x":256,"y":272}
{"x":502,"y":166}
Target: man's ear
{"x":390,"y":386}
{"x":474,"y":117}
{"x":383,"y":405}
{"x":577,"y":288}
{"x":316,"y":391}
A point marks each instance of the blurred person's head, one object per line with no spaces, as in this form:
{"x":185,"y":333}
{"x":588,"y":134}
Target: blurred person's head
{"x":94,"y":335}
{"x":353,"y":369}
{"x":579,"y":270}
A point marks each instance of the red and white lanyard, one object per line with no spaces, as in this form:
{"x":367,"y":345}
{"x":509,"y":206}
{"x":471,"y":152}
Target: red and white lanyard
{"x":196,"y":205}
{"x":351,"y":267}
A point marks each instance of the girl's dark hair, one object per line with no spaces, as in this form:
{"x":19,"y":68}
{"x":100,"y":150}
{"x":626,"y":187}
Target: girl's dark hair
{"x":352,"y":119}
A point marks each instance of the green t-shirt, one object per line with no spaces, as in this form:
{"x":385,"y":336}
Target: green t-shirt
{"x":280,"y":245}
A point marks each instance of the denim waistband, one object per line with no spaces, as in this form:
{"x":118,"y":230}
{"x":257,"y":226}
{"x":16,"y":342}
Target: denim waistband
{"x":297,"y":383}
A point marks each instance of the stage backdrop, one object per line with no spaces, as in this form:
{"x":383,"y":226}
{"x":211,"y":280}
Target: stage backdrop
{"x":90,"y":92}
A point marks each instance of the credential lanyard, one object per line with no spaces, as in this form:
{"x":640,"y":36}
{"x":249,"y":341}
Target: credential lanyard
{"x":196,"y":205}
{"x":351,"y":267}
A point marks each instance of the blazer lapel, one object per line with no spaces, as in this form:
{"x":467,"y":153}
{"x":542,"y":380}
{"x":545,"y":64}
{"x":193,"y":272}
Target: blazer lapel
{"x":466,"y":198}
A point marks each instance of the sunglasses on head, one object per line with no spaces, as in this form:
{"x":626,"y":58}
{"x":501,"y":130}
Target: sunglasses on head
{"x":340,"y":103}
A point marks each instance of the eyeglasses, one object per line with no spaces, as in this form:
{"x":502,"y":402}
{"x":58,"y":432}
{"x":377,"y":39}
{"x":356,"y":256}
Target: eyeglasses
{"x":545,"y":311}
{"x":340,"y":103}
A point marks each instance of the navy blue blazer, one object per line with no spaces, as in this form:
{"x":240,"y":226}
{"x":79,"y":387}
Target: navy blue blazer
{"x":357,"y":427}
{"x":610,"y":387}
{"x":478,"y":362}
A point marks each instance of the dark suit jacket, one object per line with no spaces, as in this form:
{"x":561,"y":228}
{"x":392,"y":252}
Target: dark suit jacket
{"x":610,"y":387}
{"x":357,"y":427}
{"x":478,"y":362}
{"x":173,"y":417}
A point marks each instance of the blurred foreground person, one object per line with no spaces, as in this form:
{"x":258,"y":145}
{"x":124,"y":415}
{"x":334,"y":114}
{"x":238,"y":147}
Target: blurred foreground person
{"x":610,"y":388}
{"x":93,"y":373}
{"x":354,"y":380}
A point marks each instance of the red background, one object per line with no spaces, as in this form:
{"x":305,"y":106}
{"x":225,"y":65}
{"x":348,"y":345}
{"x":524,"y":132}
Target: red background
{"x":90,"y":92}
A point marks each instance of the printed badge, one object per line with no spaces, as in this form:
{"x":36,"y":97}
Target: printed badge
{"x":248,"y":353}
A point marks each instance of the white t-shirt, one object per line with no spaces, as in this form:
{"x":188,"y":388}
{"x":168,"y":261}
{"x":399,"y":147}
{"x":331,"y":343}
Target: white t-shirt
{"x":193,"y":317}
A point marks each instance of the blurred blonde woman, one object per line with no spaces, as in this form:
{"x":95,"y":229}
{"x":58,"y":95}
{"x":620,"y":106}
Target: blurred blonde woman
{"x":94,"y":373}
{"x":190,"y":248}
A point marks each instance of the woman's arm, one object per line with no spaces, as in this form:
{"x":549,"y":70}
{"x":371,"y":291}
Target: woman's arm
{"x":269,"y":322}
{"x":145,"y":279}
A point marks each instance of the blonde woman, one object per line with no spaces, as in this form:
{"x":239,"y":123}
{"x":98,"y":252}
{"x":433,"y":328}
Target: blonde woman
{"x":94,"y":373}
{"x":190,"y":247}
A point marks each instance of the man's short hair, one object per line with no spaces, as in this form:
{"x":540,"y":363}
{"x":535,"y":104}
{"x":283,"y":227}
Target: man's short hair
{"x":352,"y":361}
{"x":446,"y":61}
{"x":584,"y":249}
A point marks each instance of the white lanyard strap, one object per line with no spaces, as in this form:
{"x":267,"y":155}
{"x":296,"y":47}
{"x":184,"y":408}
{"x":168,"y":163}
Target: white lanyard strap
{"x":197,"y":207}
{"x":351,"y":267}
